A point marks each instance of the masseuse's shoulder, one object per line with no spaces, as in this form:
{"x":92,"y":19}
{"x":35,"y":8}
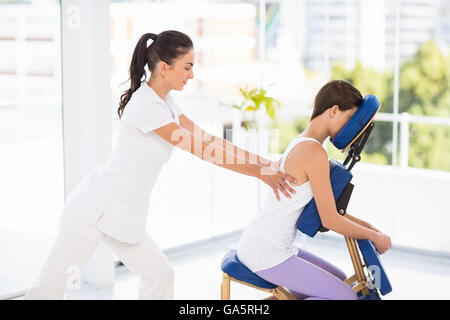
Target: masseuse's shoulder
{"x":147,"y":104}
{"x":146,"y":97}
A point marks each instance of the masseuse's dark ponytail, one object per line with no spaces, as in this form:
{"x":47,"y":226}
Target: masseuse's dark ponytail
{"x":166,"y":46}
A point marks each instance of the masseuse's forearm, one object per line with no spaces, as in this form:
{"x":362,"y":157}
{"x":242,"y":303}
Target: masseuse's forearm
{"x":227,"y":145}
{"x":239,"y":160}
{"x":230,"y":159}
{"x":235,"y":159}
{"x":244,"y":156}
{"x":252,"y":170}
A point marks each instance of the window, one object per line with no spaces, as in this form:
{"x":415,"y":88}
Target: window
{"x":31,"y":146}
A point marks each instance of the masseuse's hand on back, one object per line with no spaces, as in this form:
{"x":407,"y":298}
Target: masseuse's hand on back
{"x":275,"y":179}
{"x":184,"y":138}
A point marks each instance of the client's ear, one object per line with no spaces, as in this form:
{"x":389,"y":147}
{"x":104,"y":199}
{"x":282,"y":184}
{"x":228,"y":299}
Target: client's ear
{"x":333,"y":111}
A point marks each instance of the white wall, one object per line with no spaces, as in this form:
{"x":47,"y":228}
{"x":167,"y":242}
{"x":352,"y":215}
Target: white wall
{"x":410,"y":205}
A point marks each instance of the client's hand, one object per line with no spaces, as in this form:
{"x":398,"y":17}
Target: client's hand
{"x":382,"y":242}
{"x":277,"y":180}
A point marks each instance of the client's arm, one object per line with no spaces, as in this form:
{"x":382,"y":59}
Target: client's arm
{"x":361,"y":222}
{"x":312,"y":160}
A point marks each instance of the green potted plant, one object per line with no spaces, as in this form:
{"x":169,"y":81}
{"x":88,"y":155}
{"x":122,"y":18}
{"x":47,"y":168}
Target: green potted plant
{"x":253,"y":100}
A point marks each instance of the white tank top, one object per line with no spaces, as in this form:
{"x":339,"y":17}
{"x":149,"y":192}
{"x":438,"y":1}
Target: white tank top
{"x":269,"y":239}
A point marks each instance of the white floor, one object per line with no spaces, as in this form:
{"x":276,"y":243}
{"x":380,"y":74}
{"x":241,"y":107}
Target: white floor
{"x":198,"y":276}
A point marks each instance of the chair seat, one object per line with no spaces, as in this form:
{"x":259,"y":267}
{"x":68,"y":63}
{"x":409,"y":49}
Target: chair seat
{"x":234,"y":268}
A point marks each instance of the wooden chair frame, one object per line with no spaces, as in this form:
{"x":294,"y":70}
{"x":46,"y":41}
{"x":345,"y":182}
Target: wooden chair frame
{"x":279,"y":292}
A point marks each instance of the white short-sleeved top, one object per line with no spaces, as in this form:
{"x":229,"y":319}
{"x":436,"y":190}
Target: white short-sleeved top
{"x":269,"y":239}
{"x":115,"y":195}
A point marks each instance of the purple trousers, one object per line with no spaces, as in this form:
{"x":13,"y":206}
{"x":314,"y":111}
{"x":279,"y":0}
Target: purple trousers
{"x":309,"y":277}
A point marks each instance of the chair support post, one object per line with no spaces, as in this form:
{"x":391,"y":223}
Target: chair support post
{"x":225,"y":287}
{"x":279,"y":292}
{"x":358,"y":266}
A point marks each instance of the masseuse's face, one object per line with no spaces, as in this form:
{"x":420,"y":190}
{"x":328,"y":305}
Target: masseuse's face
{"x":181,"y":71}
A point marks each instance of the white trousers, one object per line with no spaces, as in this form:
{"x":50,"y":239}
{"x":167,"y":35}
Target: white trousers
{"x":76,"y":241}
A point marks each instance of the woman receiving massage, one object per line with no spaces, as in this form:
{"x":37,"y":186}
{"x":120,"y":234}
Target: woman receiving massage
{"x":266,"y":246}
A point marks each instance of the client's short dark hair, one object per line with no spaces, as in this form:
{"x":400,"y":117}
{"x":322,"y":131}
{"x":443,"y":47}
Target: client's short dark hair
{"x":336,"y":92}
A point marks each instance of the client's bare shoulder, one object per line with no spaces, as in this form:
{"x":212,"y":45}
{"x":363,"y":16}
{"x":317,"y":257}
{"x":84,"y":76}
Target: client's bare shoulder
{"x":303,"y":158}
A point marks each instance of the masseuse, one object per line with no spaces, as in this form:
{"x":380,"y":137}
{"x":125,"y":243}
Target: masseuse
{"x":111,"y":203}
